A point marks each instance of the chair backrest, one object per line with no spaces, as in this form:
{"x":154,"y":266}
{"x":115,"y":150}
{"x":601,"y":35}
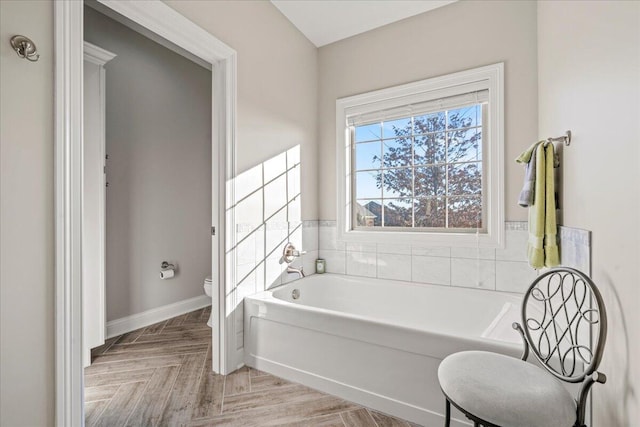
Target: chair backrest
{"x":565,"y":323}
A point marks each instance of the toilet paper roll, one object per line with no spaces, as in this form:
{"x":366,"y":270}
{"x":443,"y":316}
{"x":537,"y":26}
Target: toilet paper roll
{"x":167,"y":274}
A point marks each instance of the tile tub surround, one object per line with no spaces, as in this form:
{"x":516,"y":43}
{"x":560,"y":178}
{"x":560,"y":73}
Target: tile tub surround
{"x":505,"y":269}
{"x":575,"y":248}
{"x":260,"y":248}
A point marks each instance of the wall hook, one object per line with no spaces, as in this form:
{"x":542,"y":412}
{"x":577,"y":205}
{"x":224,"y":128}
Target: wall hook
{"x":25,"y":48}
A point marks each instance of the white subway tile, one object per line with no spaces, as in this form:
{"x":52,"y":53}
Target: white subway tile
{"x":277,"y":230}
{"x":335,"y":260}
{"x":394,"y":249}
{"x":246,"y":287}
{"x":309,"y":262}
{"x":327,"y":239}
{"x":273,"y":271}
{"x":575,"y":235}
{"x":515,"y":246}
{"x":439,"y":251}
{"x":248,"y":212}
{"x":244,"y":271}
{"x":472,"y":273}
{"x":576,"y":255}
{"x":361,"y":247}
{"x":260,"y":236}
{"x":310,"y":238}
{"x":246,"y":251}
{"x":426,"y":269}
{"x":260,"y":285}
{"x":361,"y":264}
{"x":295,"y":235}
{"x":393,"y":266}
{"x":514,"y":276}
{"x":473,"y":253}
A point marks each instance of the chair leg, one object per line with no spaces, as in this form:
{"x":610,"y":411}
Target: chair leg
{"x":476,"y":424}
{"x":447,"y":416}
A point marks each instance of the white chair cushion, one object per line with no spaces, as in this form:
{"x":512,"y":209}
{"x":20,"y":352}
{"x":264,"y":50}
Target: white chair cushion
{"x":506,"y":391}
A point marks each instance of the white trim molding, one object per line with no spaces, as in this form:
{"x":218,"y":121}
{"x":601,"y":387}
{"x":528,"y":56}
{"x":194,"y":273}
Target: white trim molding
{"x":97,"y":55}
{"x":149,"y":317}
{"x":68,"y":211}
{"x":156,"y":17}
{"x":94,"y":155}
{"x":162,"y":20}
{"x":407,"y":97}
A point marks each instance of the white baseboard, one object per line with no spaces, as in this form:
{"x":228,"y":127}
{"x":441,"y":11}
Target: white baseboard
{"x":155,"y":315}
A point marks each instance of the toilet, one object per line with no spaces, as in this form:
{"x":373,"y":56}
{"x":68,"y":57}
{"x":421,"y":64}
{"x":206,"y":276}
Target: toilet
{"x":207,"y":290}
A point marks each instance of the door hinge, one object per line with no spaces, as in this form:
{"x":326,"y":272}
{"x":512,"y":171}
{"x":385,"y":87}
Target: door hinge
{"x":213,"y":231}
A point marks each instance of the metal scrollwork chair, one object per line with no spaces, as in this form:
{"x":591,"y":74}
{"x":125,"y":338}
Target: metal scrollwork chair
{"x":565,"y":326}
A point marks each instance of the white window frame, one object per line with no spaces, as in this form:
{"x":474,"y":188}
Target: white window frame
{"x":489,"y":77}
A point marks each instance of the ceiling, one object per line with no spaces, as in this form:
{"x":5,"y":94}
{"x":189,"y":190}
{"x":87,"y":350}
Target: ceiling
{"x":327,"y":21}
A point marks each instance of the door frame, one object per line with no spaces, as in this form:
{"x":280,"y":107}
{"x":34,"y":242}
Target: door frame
{"x":158,"y":18}
{"x":98,"y":57}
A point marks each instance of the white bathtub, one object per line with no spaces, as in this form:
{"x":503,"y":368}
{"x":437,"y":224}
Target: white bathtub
{"x":374,"y":342}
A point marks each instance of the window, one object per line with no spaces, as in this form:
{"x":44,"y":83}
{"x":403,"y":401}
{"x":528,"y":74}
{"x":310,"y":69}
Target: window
{"x":423,"y":161}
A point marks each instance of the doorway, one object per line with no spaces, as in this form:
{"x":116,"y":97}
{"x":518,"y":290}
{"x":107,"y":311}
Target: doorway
{"x":150,"y":106}
{"x":159,"y":19}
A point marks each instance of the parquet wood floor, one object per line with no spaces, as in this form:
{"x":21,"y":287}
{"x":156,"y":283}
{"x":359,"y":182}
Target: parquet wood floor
{"x":161,"y":376}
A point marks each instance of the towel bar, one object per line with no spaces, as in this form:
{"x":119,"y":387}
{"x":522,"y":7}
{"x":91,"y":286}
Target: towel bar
{"x":566,"y":138}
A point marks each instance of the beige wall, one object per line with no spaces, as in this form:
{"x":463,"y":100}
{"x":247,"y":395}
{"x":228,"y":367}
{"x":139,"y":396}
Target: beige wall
{"x":456,"y":37}
{"x":277,"y":103}
{"x":277,"y":84}
{"x":26,"y":219}
{"x":589,"y":76}
{"x":277,"y":109}
{"x":158,"y":138}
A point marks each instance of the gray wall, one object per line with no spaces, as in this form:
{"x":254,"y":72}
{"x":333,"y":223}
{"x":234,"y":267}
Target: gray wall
{"x":456,"y":37}
{"x":158,"y":133}
{"x":589,"y":74}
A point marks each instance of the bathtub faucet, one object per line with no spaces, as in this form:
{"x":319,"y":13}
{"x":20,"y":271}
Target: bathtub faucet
{"x":289,"y":254}
{"x":295,"y":270}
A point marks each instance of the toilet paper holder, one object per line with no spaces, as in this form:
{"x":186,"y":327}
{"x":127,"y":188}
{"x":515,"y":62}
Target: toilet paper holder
{"x":165,"y":265}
